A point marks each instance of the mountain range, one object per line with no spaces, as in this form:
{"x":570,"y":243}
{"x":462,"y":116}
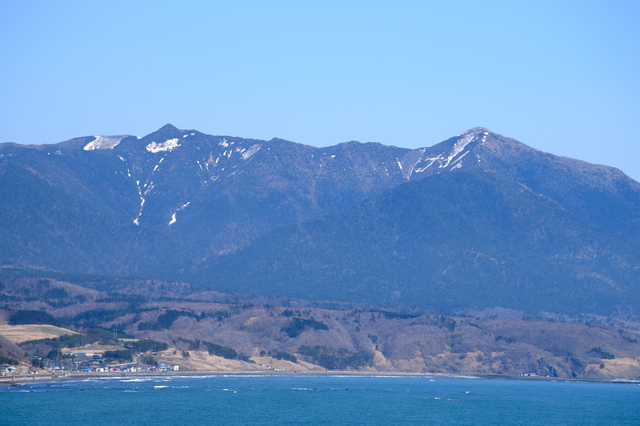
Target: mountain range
{"x":479,"y":221}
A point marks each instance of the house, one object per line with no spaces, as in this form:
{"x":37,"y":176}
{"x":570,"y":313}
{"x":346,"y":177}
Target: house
{"x":5,"y":369}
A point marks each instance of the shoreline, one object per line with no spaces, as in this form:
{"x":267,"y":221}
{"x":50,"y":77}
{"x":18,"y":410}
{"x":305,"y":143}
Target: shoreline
{"x":18,"y":379}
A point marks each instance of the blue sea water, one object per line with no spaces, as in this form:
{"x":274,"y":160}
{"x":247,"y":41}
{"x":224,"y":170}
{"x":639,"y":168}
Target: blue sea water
{"x":319,"y":400}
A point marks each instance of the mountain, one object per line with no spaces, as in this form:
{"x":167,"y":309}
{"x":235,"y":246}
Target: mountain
{"x":450,"y":242}
{"x":486,"y":222}
{"x":121,"y":205}
{"x":478,"y":221}
{"x":600,"y":194}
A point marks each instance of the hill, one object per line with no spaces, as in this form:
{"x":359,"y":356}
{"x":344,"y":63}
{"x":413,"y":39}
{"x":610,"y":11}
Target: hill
{"x":200,"y":330}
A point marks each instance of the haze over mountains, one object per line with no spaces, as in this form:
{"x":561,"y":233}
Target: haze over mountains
{"x":475,"y":222}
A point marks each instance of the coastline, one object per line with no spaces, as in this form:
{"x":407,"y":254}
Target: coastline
{"x":18,"y":379}
{"x":10,"y":380}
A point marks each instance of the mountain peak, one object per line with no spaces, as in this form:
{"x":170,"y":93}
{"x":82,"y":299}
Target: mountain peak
{"x":167,"y":131}
{"x":167,"y":128}
{"x":475,"y":131}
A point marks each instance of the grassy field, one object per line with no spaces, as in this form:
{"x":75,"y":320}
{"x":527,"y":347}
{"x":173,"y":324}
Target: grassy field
{"x":22,"y":333}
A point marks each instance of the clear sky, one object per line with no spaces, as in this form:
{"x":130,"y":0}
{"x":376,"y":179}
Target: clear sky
{"x":560,"y":76}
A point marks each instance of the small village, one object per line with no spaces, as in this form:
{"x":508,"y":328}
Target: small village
{"x":87,"y":363}
{"x":72,"y":353}
{"x":78,"y":364}
{"x":95,"y":363}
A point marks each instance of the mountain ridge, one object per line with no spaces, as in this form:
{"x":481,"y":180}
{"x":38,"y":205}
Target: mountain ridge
{"x":379,"y":240}
{"x":184,"y":203}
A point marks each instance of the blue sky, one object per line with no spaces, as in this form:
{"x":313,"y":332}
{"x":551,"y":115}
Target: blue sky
{"x":560,"y":76}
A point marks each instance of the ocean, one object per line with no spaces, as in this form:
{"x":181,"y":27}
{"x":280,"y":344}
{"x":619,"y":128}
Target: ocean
{"x":319,"y":400}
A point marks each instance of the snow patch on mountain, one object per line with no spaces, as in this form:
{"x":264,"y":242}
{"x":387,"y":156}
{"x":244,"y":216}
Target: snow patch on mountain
{"x":168,"y":145}
{"x":459,"y":146}
{"x":136,"y":221}
{"x":458,"y":161}
{"x":453,"y":158}
{"x":174,"y":218}
{"x":103,"y":142}
{"x":408,"y":162}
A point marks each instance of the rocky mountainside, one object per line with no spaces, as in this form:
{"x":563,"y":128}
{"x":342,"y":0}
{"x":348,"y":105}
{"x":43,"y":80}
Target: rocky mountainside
{"x":475,"y":222}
